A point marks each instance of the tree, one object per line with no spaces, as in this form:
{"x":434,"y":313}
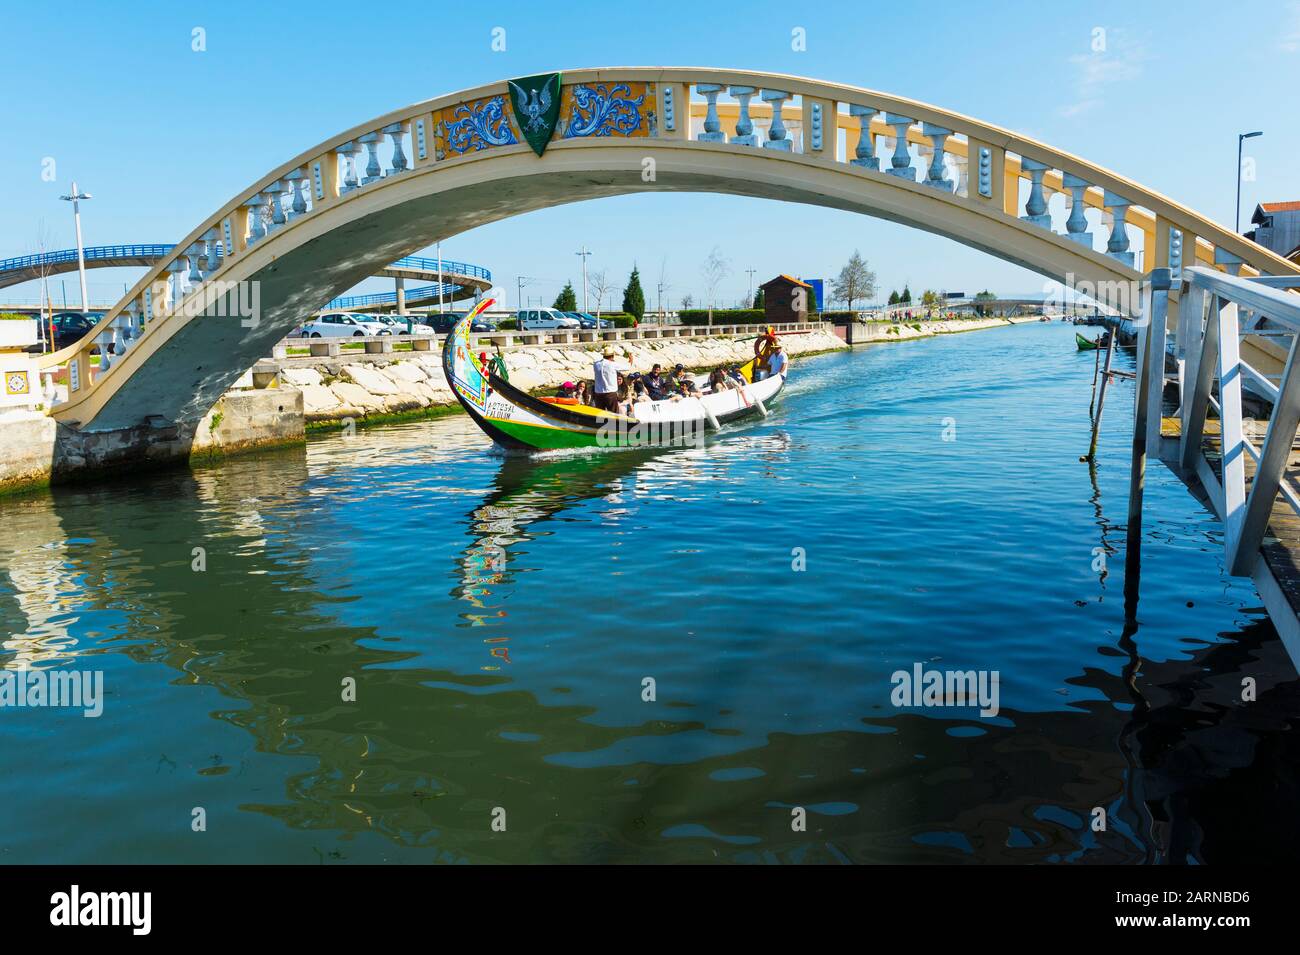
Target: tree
{"x":929,"y":297}
{"x":906,"y":297}
{"x":633,"y":296}
{"x":760,"y":301}
{"x":566,"y":301}
{"x":687,"y":301}
{"x":984,"y":297}
{"x":855,"y":281}
{"x":601,"y":286}
{"x":715,"y":269}
{"x":893,"y":297}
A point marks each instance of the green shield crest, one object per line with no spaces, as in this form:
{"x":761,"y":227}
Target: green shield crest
{"x":536,"y":101}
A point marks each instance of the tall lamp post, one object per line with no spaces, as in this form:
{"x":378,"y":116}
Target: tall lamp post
{"x":75,"y":199}
{"x":1241,"y":138}
{"x":583,"y":254}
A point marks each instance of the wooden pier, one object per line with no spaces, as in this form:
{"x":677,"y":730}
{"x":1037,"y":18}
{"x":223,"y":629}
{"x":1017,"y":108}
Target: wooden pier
{"x":1190,"y":359}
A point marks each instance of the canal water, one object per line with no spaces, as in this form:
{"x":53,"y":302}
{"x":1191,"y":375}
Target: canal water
{"x":671,"y":656}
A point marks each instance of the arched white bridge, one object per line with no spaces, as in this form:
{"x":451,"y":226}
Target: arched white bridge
{"x":317,"y":224}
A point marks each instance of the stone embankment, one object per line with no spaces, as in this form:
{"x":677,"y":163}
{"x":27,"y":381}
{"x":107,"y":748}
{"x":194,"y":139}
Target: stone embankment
{"x":364,"y":386}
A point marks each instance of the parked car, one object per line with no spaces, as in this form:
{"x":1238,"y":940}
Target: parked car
{"x":535,"y":318}
{"x":444,"y":322}
{"x":397,"y":324}
{"x":340,"y":325}
{"x":69,"y":327}
{"x":587,"y":320}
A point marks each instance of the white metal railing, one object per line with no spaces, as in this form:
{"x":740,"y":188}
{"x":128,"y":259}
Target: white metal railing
{"x":1206,"y":353}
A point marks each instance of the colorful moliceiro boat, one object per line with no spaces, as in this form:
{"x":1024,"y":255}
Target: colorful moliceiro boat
{"x":517,"y":420}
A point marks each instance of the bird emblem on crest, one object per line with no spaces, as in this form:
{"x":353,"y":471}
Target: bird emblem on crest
{"x":534,"y":105}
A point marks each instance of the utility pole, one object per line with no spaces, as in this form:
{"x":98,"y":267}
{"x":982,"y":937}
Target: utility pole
{"x":749,"y":302}
{"x":583,"y":255}
{"x":75,"y":199}
{"x":1241,"y":138}
{"x":440,"y":307}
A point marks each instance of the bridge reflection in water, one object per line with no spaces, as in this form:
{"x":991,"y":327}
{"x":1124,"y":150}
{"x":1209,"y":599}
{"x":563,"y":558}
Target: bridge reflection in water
{"x":263,"y":640}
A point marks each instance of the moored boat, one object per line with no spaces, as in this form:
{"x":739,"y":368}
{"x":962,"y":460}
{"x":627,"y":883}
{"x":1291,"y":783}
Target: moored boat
{"x":517,"y":420}
{"x":1088,"y":344}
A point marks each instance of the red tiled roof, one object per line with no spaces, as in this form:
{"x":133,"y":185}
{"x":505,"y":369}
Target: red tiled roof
{"x":1293,"y":206}
{"x":791,"y":279}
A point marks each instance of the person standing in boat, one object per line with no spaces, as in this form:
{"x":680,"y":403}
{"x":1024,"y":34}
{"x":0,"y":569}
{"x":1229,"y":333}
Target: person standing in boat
{"x":605,"y":371}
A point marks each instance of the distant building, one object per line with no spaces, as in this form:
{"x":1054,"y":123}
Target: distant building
{"x":1277,"y":226}
{"x":787,"y":299}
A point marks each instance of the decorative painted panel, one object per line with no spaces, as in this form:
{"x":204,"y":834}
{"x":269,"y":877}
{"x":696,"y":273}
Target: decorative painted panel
{"x":608,"y":109}
{"x":472,"y":127}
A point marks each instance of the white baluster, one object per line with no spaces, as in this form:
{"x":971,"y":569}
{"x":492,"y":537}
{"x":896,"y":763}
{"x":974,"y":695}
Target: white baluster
{"x":866,"y":154}
{"x":212,"y":260}
{"x":744,"y":125}
{"x":1117,"y":246}
{"x":936,"y":176}
{"x":777,"y":136}
{"x":349,"y":152}
{"x":1076,"y":227}
{"x":373,"y":171}
{"x":712,"y":125}
{"x":395,"y":133}
{"x":179,"y":285}
{"x":901,"y":162}
{"x":194,"y":253}
{"x":274,"y":192}
{"x":256,"y":219}
{"x":105,"y":339}
{"x":1036,"y":205}
{"x":297,"y":181}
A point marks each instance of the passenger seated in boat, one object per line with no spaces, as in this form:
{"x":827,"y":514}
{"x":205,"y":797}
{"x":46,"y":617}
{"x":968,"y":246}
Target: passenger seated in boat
{"x":772,"y":365}
{"x":625,"y":395}
{"x":775,"y":361}
{"x":719,"y":381}
{"x":657,"y":384}
{"x":582,"y":392}
{"x":736,"y":375}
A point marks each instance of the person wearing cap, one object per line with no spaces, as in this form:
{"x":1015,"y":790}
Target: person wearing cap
{"x":605,"y":371}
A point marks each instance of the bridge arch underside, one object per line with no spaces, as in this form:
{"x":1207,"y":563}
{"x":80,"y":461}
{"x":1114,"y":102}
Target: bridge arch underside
{"x":180,"y":369}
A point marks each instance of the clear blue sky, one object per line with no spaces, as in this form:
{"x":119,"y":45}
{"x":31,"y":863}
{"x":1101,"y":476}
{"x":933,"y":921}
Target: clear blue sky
{"x":162,"y":135}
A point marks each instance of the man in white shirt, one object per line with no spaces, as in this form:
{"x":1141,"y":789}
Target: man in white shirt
{"x":776,"y":361}
{"x":605,"y":371}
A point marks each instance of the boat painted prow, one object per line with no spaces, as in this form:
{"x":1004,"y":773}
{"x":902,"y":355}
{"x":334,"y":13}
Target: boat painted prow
{"x":517,"y":420}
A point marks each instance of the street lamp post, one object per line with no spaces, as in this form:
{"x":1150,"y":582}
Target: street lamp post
{"x":75,"y":199}
{"x":1241,"y":138}
{"x":583,"y":255}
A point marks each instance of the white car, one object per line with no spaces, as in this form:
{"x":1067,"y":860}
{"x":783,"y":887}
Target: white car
{"x":531,"y":318}
{"x":337,"y":324}
{"x":396,"y":324}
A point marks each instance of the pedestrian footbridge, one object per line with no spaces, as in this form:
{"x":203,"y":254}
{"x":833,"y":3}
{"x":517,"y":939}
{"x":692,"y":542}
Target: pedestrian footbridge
{"x":350,"y":205}
{"x":452,"y":280}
